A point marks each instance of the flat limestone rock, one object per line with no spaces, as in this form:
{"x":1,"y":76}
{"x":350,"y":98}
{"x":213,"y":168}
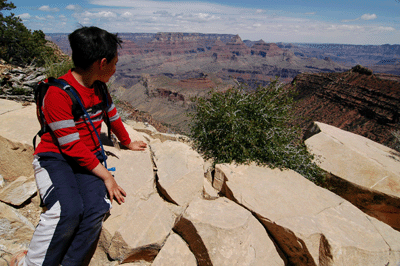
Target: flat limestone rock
{"x":18,"y":191}
{"x":356,"y":159}
{"x":364,"y":172}
{"x":9,"y":106}
{"x":220,"y":232}
{"x":20,"y":125}
{"x":175,"y":252}
{"x":179,"y":170}
{"x":310,"y":224}
{"x":139,"y":233}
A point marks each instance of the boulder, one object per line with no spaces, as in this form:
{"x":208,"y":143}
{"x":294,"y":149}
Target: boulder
{"x":152,"y":131}
{"x":139,"y":233}
{"x":15,"y":159}
{"x":311,"y":225}
{"x":15,"y":232}
{"x":175,"y":252}
{"x":125,"y":235}
{"x":179,"y":171}
{"x":220,"y":232}
{"x":18,"y":191}
{"x":362,"y":171}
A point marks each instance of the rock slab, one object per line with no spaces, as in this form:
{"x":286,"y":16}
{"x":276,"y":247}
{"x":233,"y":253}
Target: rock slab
{"x":311,"y":225}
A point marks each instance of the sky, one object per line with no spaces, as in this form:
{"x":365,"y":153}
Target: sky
{"x":366,"y":22}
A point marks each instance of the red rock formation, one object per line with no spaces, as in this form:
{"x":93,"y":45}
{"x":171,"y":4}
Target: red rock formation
{"x":266,"y":49}
{"x":238,"y":47}
{"x":219,"y":50}
{"x":196,"y":83}
{"x":130,"y":48}
{"x":175,"y":43}
{"x":367,"y":105}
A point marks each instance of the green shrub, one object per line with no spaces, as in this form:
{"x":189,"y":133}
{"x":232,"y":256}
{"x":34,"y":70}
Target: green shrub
{"x":21,"y":91}
{"x":19,"y":45}
{"x":239,"y":127}
{"x":57,"y":69}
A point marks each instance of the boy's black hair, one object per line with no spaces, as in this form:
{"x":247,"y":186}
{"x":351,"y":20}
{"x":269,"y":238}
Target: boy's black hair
{"x":90,"y":44}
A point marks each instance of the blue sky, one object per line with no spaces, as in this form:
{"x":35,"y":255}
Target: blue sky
{"x":315,"y":21}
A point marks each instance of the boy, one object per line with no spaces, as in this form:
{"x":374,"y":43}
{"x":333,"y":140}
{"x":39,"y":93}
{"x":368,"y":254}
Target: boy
{"x":72,"y":181}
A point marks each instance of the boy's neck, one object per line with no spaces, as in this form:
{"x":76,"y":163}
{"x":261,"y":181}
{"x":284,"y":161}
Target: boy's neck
{"x":84,"y":77}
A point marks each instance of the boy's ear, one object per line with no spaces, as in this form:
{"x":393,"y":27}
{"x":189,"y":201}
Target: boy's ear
{"x":102,"y":63}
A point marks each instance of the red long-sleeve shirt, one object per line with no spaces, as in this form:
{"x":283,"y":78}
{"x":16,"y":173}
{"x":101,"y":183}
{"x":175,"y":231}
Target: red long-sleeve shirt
{"x":77,"y":139}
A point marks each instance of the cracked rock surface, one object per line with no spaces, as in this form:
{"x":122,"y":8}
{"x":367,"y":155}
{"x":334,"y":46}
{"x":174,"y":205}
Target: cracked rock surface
{"x":179,"y":211}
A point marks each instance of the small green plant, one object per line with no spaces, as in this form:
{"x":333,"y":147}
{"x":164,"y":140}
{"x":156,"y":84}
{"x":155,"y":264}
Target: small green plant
{"x":240,"y":127}
{"x":21,"y":91}
{"x":57,"y":69}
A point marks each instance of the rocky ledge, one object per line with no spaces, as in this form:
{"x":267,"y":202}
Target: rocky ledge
{"x":17,"y":83}
{"x":181,"y":211}
{"x":356,"y":100}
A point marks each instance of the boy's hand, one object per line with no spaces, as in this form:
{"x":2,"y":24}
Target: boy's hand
{"x":114,"y":190}
{"x":137,"y":146}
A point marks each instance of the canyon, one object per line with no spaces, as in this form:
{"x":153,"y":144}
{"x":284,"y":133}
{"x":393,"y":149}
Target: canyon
{"x":160,"y":73}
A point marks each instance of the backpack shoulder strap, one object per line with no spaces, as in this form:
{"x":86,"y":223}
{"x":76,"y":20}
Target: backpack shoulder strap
{"x":40,"y":91}
{"x":76,"y":108}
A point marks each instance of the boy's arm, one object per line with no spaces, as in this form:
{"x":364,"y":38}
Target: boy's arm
{"x":119,"y":130}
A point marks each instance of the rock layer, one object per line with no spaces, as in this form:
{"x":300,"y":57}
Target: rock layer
{"x":366,"y":105}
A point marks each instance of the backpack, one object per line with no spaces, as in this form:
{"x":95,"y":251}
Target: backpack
{"x":78,"y":109}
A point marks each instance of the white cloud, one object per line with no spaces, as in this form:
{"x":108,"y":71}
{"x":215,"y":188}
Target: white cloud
{"x":126,"y":15}
{"x":310,"y":13}
{"x":73,"y":7}
{"x":49,"y":17}
{"x":49,"y":9}
{"x":383,"y":29}
{"x":40,"y":18}
{"x":24,"y":16}
{"x":101,"y":14}
{"x":368,"y":16}
{"x":205,"y":17}
{"x":363,"y":17}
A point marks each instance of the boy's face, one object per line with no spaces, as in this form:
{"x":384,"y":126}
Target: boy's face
{"x":108,"y":69}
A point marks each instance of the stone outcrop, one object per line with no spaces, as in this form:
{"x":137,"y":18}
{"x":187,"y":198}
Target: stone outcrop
{"x":17,"y":83}
{"x":307,"y":227}
{"x":18,"y":191}
{"x":15,"y":232}
{"x":264,"y":49}
{"x":179,"y":211}
{"x":366,"y":105}
{"x":363,"y":172}
{"x":180,"y":171}
{"x":220,"y":232}
{"x":237,"y":47}
{"x":130,"y":48}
